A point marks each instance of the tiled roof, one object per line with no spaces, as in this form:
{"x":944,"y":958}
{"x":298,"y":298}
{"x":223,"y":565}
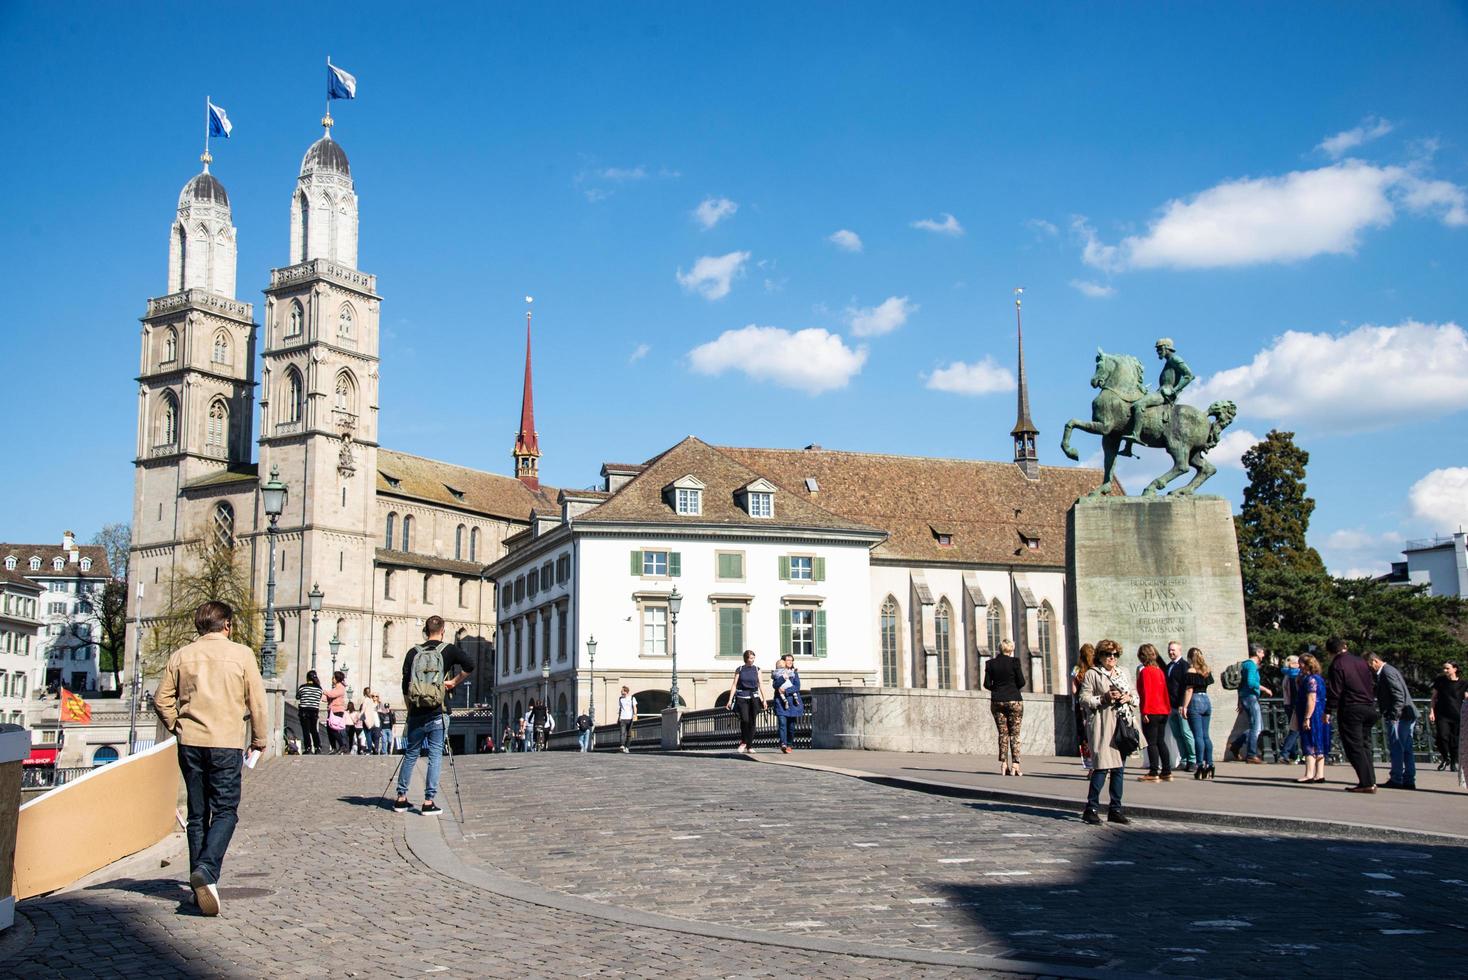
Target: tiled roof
{"x":17,"y":578}
{"x":985,"y":506}
{"x":411,"y":559}
{"x":642,"y":498}
{"x":402,"y":475}
{"x":48,"y":552}
{"x":241,"y":473}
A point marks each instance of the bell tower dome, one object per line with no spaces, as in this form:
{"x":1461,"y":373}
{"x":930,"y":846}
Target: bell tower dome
{"x":324,"y":206}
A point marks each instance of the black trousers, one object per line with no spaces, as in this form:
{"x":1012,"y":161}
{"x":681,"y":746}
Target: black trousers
{"x":746,"y":710}
{"x":1446,"y":729}
{"x":212,"y":779}
{"x":1159,"y":759}
{"x":1356,"y":722}
{"x":310,"y":729}
{"x":626,"y":725}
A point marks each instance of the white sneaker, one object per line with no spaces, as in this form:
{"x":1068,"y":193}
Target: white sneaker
{"x":206,"y":894}
{"x":624,"y":748}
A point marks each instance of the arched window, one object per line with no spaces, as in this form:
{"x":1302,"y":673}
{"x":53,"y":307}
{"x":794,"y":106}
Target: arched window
{"x":296,"y":322}
{"x":407,"y":532}
{"x":346,"y":393}
{"x":294,"y":394}
{"x":170,"y":346}
{"x":168,"y":420}
{"x":104,"y":755}
{"x":427,"y":579}
{"x":392,"y":526}
{"x":459,"y":543}
{"x":474,"y":544}
{"x":891,"y":655}
{"x":387,"y":639}
{"x":218,"y":425}
{"x":221,"y":348}
{"x":345,"y":322}
{"x":943,"y":641}
{"x":303,"y":208}
{"x":1045,"y":633}
{"x":387,"y":577}
{"x":995,"y":622}
{"x":463,"y":592}
{"x":224,"y":524}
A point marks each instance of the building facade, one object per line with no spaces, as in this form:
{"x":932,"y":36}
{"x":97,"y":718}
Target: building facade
{"x":20,"y":644}
{"x":70,"y":576}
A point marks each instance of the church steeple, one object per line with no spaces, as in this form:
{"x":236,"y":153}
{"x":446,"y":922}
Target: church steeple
{"x":1024,"y":432}
{"x":527,"y":441}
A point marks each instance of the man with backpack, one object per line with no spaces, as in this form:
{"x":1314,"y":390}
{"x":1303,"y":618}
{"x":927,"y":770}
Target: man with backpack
{"x":428,"y":678}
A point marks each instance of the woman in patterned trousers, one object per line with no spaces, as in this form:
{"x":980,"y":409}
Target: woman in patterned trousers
{"x":1004,"y":679}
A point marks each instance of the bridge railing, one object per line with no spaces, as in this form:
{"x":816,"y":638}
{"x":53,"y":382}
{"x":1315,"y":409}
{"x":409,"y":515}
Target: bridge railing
{"x":710,"y":728}
{"x":1276,"y":728}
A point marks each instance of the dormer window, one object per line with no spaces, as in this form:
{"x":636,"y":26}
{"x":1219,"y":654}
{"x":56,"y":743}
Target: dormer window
{"x":57,"y":564}
{"x":86,"y":564}
{"x":457,"y":494}
{"x":759,"y":498}
{"x":35,"y":564}
{"x":942,"y":534}
{"x":392,"y":481}
{"x":686,"y":495}
{"x":10,"y":563}
{"x":1030,"y":539}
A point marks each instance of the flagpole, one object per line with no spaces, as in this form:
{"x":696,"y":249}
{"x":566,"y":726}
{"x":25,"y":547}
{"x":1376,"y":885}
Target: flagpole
{"x":206,"y":158}
{"x":326,"y":119}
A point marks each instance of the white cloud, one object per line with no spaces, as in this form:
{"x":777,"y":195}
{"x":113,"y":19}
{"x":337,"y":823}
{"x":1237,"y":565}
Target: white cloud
{"x":1042,"y":228}
{"x":1369,"y":378}
{"x":638,"y":353}
{"x":599,"y":183}
{"x":1357,"y":553}
{"x":712,"y":275}
{"x":885,"y":317}
{"x":845,"y":239}
{"x":1277,"y":219}
{"x":1342,"y":143}
{"x":1442,"y":498}
{"x":948,"y":226}
{"x":811,"y":360}
{"x":712,"y":210}
{"x":638,"y":172}
{"x":983,"y":377}
{"x":1095,"y":290}
{"x":1231,"y":448}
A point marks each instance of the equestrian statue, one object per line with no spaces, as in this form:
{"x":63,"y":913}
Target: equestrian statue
{"x":1125,"y":411}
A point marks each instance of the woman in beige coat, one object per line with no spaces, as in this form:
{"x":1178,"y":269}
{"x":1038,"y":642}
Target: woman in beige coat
{"x":1106,"y":694}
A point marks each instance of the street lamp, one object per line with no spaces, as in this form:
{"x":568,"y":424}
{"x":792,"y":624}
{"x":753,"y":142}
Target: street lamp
{"x":336,"y":644}
{"x":315,"y":596}
{"x":591,"y":656}
{"x":675,"y":602}
{"x":274,"y":494}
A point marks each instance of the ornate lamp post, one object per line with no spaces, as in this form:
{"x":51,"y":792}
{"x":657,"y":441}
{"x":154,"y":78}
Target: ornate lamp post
{"x":336,"y":644}
{"x":591,"y":656}
{"x":675,"y":602}
{"x":314,"y":596}
{"x":274,"y":494}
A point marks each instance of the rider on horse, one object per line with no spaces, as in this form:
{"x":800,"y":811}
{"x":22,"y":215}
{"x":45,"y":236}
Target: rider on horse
{"x":1175,"y":376}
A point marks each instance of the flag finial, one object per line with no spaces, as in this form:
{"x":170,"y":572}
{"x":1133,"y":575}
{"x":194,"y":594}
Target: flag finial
{"x":206,"y":158}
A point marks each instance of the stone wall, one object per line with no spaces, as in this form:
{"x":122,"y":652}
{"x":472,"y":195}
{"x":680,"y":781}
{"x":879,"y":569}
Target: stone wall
{"x":894,"y":719}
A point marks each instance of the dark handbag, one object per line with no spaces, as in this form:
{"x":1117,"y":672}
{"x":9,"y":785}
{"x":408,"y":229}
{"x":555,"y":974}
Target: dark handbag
{"x":1126,"y":738}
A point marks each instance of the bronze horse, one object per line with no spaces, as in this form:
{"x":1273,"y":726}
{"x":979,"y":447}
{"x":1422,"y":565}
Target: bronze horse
{"x":1185,"y":432}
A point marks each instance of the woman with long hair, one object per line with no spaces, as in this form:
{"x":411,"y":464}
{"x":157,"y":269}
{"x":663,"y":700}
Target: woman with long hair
{"x":354,"y":722}
{"x":336,"y":706}
{"x":1199,"y":710}
{"x":309,"y":697}
{"x":1156,"y":709}
{"x":1085,"y":660}
{"x":1309,"y":708}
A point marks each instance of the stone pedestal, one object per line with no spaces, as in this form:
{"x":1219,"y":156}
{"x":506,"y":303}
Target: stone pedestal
{"x":1150,"y":570}
{"x":671,"y":729}
{"x":275,"y":707}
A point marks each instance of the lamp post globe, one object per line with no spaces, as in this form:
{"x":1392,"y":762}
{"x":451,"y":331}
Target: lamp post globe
{"x":675,"y":603}
{"x":274,"y":495}
{"x":336,"y":644}
{"x":314,"y":597}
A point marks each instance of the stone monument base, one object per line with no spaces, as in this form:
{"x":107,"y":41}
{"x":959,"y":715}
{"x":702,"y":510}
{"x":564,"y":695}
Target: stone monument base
{"x":1155,"y":569}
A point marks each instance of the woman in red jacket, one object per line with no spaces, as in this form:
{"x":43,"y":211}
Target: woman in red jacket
{"x":1156,"y":708}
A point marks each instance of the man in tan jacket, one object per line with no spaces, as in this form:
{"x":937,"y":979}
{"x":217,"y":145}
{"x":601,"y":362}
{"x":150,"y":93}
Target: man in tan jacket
{"x":207,"y":690}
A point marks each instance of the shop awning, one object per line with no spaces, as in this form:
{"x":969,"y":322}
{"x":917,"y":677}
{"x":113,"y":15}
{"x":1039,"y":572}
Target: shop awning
{"x":41,"y":757}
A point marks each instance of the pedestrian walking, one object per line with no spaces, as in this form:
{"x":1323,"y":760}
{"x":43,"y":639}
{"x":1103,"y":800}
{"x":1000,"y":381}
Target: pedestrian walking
{"x":1289,"y":681}
{"x":309,"y":698}
{"x":1443,"y":713}
{"x":1156,"y":706}
{"x":626,"y":715}
{"x":1245,"y":745}
{"x":1310,"y":720}
{"x":371,"y":723}
{"x":1399,"y":713}
{"x":1085,"y":660}
{"x":507,"y":739}
{"x":1176,"y":671}
{"x":431,"y":670}
{"x":785,"y":682}
{"x":541,"y":723}
{"x":584,"y":731}
{"x":354,"y":722}
{"x":1004,"y":679}
{"x":336,"y":712}
{"x":521,"y":727}
{"x":389,"y":718}
{"x":744,"y":690}
{"x":1199,"y":711}
{"x":1110,"y":705}
{"x":206,"y":688}
{"x":1350,"y":692}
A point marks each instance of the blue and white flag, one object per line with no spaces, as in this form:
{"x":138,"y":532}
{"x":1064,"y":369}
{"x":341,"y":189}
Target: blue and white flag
{"x":340,"y":84}
{"x":219,"y":124}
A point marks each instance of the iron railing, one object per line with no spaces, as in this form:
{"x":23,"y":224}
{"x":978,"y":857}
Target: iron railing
{"x":48,"y":777}
{"x":1276,"y":726}
{"x":711,"y":728}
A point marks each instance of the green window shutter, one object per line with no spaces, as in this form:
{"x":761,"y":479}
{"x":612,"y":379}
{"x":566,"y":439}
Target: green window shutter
{"x":636,"y":563}
{"x":721,"y":566}
{"x":785,"y":572}
{"x":818,"y":569}
{"x":675,"y":563}
{"x":738,"y":562}
{"x":820,"y":632}
{"x":737,"y":615}
{"x":726,"y":632}
{"x":784,"y":626}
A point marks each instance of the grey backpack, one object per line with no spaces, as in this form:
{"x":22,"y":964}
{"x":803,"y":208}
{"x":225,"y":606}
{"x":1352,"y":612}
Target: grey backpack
{"x":425,"y":682}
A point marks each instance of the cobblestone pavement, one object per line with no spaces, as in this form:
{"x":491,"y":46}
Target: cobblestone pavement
{"x":319,"y":882}
{"x":726,"y":841}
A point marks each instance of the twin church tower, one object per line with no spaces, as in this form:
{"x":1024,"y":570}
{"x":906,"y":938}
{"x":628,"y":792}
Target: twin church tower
{"x":358,"y":517}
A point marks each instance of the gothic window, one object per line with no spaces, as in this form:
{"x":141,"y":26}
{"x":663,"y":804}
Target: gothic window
{"x":224,"y":524}
{"x":463,"y":592}
{"x":387,"y":639}
{"x":218,"y":425}
{"x":427,"y":578}
{"x":473,"y":544}
{"x":995,"y":623}
{"x":303,"y":208}
{"x":344,"y":322}
{"x":392,"y":525}
{"x":221,"y":348}
{"x":387,"y":584}
{"x":459,"y":543}
{"x":891,"y":655}
{"x":297,"y":321}
{"x":408,"y":532}
{"x":168,"y":420}
{"x":1045,"y":633}
{"x":346,"y":393}
{"x":294,"y":393}
{"x":943,"y":641}
{"x":170,"y":346}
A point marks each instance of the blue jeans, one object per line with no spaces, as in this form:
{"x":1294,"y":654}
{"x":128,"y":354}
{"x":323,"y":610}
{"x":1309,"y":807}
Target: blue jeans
{"x":1249,"y":737}
{"x":1098,"y":779}
{"x":212,"y":779}
{"x":1291,"y":745}
{"x":1200,"y":713}
{"x":786,"y":727}
{"x":1182,"y":734}
{"x":1399,"y":744}
{"x":424,"y":732}
{"x":585,"y":737}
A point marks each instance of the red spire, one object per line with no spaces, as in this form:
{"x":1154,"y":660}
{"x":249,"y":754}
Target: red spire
{"x":527,"y":442}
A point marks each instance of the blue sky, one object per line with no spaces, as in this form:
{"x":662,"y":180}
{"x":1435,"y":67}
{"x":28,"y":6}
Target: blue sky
{"x":1259,"y":182}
